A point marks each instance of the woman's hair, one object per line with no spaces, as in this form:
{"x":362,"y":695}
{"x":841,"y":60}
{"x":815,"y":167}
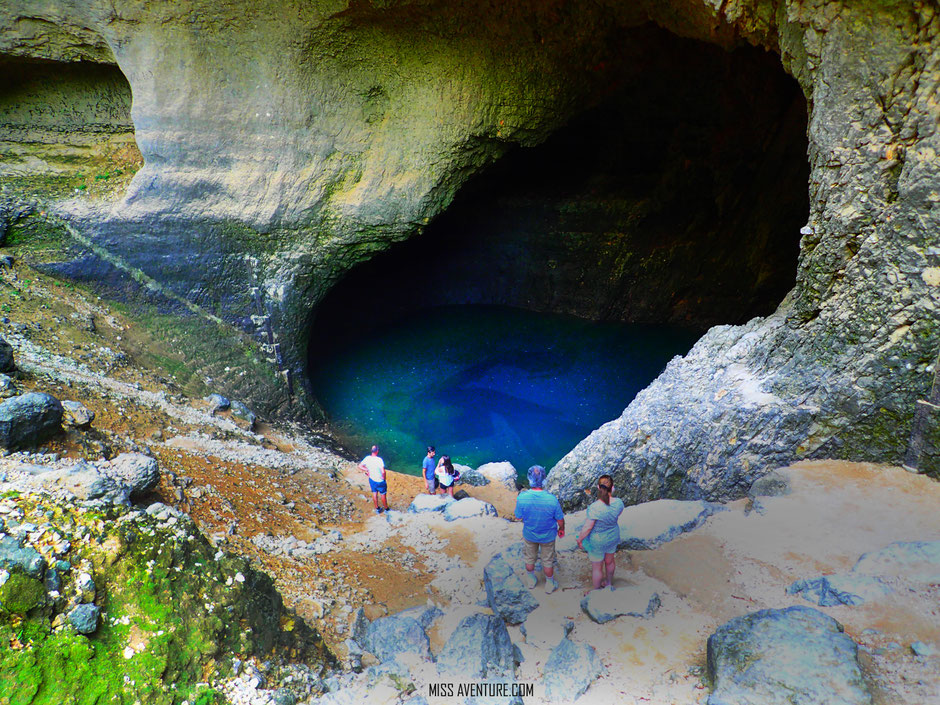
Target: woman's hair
{"x":449,"y":466}
{"x":605,"y":485}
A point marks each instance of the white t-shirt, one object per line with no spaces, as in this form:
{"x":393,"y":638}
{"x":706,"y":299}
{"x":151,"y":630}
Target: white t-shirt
{"x":375,"y":465}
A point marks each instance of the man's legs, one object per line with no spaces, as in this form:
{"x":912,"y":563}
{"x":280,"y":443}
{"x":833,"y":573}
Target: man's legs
{"x":384,"y":502}
{"x":375,"y":499}
{"x":548,"y":566}
{"x":530,"y":552}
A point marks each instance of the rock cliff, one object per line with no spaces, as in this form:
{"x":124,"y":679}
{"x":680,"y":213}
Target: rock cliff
{"x":284,"y":143}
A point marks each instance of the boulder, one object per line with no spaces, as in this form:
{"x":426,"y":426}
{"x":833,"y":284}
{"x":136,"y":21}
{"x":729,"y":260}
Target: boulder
{"x":137,"y":472}
{"x":506,"y":594}
{"x":469,"y":476}
{"x":16,"y":558}
{"x":85,"y":618}
{"x":425,"y":616}
{"x":29,"y":418}
{"x":841,"y":589}
{"x":82,"y":481}
{"x":645,"y":526}
{"x":570,"y":670}
{"x":469,"y":507}
{"x":6,"y":357}
{"x":389,"y":638}
{"x":781,"y":657}
{"x":478,"y":648}
{"x":429,"y":503}
{"x":501,"y":473}
{"x":218,"y":403}
{"x":240,"y":411}
{"x":605,"y":605}
{"x":916,"y":561}
{"x":20,"y":593}
{"x":76,"y":414}
{"x":7,"y":387}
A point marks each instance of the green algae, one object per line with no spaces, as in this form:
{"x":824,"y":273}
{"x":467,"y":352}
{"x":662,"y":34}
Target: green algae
{"x":19,"y":594}
{"x":174,"y":613}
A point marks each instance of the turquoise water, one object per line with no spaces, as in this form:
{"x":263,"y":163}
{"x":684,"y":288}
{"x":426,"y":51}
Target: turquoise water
{"x":486,"y":383}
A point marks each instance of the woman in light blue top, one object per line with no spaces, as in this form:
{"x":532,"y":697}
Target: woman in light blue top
{"x":601,"y":533}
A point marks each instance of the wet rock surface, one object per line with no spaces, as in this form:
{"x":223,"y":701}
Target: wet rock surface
{"x":29,"y":418}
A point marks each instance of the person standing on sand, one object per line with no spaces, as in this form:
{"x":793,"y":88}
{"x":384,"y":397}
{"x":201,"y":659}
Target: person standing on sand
{"x":445,"y":475}
{"x":374,"y":467}
{"x":542,"y":520}
{"x":427,"y":468}
{"x":601,"y":533}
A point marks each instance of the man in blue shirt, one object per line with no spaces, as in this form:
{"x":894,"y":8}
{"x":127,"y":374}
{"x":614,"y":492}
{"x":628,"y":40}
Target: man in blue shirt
{"x":542,"y":520}
{"x":428,"y":467}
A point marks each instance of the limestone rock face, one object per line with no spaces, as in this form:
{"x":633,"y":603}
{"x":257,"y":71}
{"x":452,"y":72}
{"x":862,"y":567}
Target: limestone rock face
{"x":285,"y":142}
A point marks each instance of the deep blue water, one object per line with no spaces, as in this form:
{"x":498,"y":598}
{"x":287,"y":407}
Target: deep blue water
{"x":487,"y":383}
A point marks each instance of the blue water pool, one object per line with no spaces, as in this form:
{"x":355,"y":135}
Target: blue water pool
{"x":486,"y":383}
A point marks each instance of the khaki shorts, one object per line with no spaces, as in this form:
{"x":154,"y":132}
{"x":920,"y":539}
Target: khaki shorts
{"x":531,"y":550}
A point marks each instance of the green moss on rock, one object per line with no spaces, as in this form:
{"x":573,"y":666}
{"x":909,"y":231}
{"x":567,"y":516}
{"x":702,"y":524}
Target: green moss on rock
{"x":19,"y":594}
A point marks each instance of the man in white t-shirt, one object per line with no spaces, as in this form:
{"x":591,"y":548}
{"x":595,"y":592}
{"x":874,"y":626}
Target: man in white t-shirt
{"x":374,"y":467}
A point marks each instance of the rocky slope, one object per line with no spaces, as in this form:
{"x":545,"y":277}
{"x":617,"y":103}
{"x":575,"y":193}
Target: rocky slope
{"x":284,"y":143}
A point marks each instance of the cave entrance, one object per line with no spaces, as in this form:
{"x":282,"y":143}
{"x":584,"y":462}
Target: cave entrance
{"x":65,"y":128}
{"x":675,"y":202}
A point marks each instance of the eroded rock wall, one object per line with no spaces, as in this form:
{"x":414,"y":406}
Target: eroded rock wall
{"x":308,"y":137}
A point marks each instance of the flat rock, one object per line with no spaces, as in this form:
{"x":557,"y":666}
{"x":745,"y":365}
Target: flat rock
{"x":605,"y":605}
{"x":917,"y":561}
{"x":792,"y":656}
{"x":840,"y":589}
{"x":506,"y":594}
{"x":469,"y":507}
{"x":425,"y":616}
{"x":570,"y":670}
{"x":7,"y":387}
{"x":773,"y":484}
{"x":502,"y":473}
{"x":478,"y":648}
{"x":546,"y":628}
{"x":429,"y":503}
{"x":645,"y":526}
{"x":29,"y":418}
{"x":390,"y":638}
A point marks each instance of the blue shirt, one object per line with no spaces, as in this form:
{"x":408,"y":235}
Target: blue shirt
{"x":606,"y":531}
{"x":540,"y":512}
{"x":428,"y":466}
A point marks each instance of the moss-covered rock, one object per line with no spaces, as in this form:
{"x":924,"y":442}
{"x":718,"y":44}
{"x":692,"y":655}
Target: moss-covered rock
{"x":19,"y":594}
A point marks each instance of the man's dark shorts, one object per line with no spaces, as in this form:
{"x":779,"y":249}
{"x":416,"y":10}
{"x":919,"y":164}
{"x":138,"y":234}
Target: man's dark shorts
{"x":380,"y":487}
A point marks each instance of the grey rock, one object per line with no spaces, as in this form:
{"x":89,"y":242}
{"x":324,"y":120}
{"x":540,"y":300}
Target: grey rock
{"x":137,"y":472}
{"x":52,"y":582}
{"x":15,"y":557}
{"x":360,"y":626}
{"x":781,"y":657}
{"x":429,"y":503}
{"x":283,"y":696}
{"x":840,"y":589}
{"x":84,"y":618}
{"x":479,"y":648}
{"x":390,"y":637}
{"x":570,"y":670}
{"x":76,"y":414}
{"x":469,"y":507}
{"x":916,"y":561}
{"x":645,"y":526}
{"x":923,"y":650}
{"x":506,"y":594}
{"x":545,"y":631}
{"x":6,"y":357}
{"x":242,"y":412}
{"x":425,"y":616}
{"x":502,"y":473}
{"x":470,"y":476}
{"x":605,"y":605}
{"x":7,"y":387}
{"x":218,"y":403}
{"x":773,"y":484}
{"x":29,"y":419}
